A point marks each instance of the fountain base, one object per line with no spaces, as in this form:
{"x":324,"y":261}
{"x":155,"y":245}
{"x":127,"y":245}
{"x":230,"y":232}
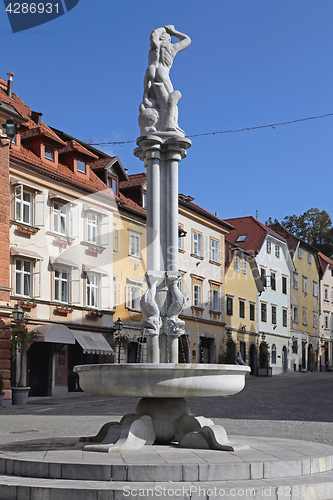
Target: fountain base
{"x":161,"y":421}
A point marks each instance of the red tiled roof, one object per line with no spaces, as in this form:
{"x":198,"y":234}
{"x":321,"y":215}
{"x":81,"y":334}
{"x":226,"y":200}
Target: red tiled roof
{"x":75,"y":146}
{"x":187,"y":201}
{"x":134,"y":180}
{"x":59,"y":172}
{"x":324,"y":261}
{"x":255,"y":231}
{"x":125,"y":202}
{"x":43,"y":130}
{"x":101,"y":163}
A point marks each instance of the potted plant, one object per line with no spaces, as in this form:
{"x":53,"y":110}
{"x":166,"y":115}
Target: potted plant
{"x":21,"y":339}
{"x":2,"y":394}
{"x":64,"y":309}
{"x":264,"y":370}
{"x":28,"y":304}
{"x":229,"y":356}
{"x":94,"y":313}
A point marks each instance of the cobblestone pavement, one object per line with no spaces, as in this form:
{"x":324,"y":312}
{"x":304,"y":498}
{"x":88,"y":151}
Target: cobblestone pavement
{"x":295,"y":405}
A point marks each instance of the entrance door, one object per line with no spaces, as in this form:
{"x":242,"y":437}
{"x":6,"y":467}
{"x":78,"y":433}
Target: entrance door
{"x":311,"y":358}
{"x":206,"y":350}
{"x":253,"y":359}
{"x":40,"y":356}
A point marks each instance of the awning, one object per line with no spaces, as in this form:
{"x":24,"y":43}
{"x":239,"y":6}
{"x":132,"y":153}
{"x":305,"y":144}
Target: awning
{"x":92,"y":342}
{"x":96,"y":270}
{"x":59,"y":261}
{"x":58,"y":334}
{"x":22,"y":252}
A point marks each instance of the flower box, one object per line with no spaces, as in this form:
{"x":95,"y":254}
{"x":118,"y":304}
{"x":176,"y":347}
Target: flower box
{"x":28,"y":304}
{"x":27,"y":229}
{"x":64,"y":240}
{"x":64,"y":309}
{"x":95,"y":314}
{"x":95,"y":249}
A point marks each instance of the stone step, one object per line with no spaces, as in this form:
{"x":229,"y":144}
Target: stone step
{"x":314,"y":487}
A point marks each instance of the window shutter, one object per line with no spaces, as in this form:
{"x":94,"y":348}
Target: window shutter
{"x":17,"y":205}
{"x":116,"y":240}
{"x":73,"y":217}
{"x":128,"y":296}
{"x":116,"y":294}
{"x":37,"y":279}
{"x":39,"y":209}
{"x":75,"y":286}
{"x":104,"y":230}
{"x":105,"y":292}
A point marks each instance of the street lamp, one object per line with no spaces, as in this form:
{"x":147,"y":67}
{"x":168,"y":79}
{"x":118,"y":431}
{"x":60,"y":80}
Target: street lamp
{"x":118,"y":326}
{"x":18,"y":313}
{"x":263,"y":337}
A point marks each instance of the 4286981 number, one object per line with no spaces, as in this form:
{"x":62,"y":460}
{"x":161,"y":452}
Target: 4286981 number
{"x":33,"y":8}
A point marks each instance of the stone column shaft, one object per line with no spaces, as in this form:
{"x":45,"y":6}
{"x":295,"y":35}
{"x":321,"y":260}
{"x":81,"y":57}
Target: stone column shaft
{"x":153,"y":209}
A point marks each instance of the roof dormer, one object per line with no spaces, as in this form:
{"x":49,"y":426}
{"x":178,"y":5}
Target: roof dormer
{"x":77,"y":157}
{"x":43,"y":142}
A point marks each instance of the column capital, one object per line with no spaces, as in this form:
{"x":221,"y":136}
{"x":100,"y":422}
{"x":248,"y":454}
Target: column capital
{"x":149,"y":147}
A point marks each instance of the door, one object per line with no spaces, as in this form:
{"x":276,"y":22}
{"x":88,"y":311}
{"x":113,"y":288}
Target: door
{"x":253,"y":359}
{"x":284,"y":359}
{"x":40,"y":356}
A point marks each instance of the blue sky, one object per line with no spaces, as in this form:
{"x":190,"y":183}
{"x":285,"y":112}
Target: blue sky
{"x":251,"y":63}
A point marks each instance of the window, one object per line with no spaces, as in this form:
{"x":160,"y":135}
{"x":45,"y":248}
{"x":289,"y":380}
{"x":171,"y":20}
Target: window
{"x":60,"y":218}
{"x":197,"y":295}
{"x":92,"y":290}
{"x":304,"y":284}
{"x":252,"y":311}
{"x":295,"y":318}
{"x":241,"y":238}
{"x":181,"y":234}
{"x":133,"y":297}
{"x":134,"y":245}
{"x":61,"y":285}
{"x":284,"y":285}
{"x":295,"y":280}
{"x":284,"y":318}
{"x":23,"y":205}
{"x":277,"y":251}
{"x":273,"y":281}
{"x":236,"y":263}
{"x":215,"y":300}
{"x":273,"y":354}
{"x":269,"y":246}
{"x":244,"y":266}
{"x":315,"y":289}
{"x":326,"y":293}
{"x":300,"y":253}
{"x":81,"y":166}
{"x":23,"y":277}
{"x":112,"y":184}
{"x":92,"y":228}
{"x":49,"y":152}
{"x":309,"y":258}
{"x":315,"y":320}
{"x":197,"y":244}
{"x":241,"y":308}
{"x":214,"y":250}
{"x":263,"y":312}
{"x":304,"y":321}
{"x":273,"y":315}
{"x":327,"y":322}
{"x":144,"y":200}
{"x":263,"y":276}
{"x":229,"y":306}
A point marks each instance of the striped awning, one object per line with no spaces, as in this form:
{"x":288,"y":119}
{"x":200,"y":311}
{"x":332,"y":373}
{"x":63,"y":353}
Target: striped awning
{"x":92,"y":342}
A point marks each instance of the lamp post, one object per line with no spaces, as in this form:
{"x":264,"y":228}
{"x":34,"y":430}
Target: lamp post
{"x":118,"y":326}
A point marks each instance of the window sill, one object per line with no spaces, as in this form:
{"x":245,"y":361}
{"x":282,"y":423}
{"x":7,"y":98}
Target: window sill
{"x":93,"y":247}
{"x":197,"y":311}
{"x":134,"y":257}
{"x":25,"y":228}
{"x":133,"y":310}
{"x":180,"y":250}
{"x":215,"y":262}
{"x":196,"y":256}
{"x":62,"y":239}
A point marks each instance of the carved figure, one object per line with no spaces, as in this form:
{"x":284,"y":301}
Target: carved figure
{"x":150,"y":308}
{"x":158,"y":111}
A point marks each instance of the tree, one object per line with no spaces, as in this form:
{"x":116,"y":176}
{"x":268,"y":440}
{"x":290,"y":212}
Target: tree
{"x":313,"y":226}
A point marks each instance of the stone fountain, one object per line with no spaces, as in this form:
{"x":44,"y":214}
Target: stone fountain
{"x":162,"y":415}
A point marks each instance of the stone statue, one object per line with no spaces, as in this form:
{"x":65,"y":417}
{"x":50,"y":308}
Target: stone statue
{"x":158,"y":110}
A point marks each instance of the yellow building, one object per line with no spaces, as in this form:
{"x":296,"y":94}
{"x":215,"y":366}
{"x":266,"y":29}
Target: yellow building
{"x":242,"y":286}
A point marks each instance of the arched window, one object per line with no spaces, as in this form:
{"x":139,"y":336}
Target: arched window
{"x":273,"y":354}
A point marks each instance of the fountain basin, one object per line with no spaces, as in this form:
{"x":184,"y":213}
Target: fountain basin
{"x":163,"y":380}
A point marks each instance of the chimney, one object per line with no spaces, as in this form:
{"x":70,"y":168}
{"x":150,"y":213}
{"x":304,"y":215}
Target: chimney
{"x":10,"y":85}
{"x":36,"y":117}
